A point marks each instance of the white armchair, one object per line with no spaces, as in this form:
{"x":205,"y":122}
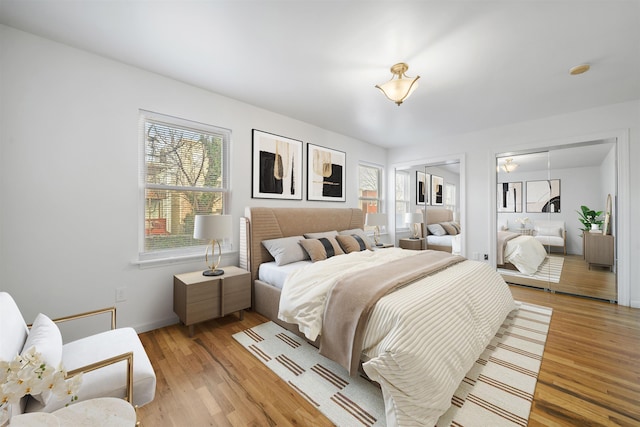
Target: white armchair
{"x":551,"y":233}
{"x":105,"y":359}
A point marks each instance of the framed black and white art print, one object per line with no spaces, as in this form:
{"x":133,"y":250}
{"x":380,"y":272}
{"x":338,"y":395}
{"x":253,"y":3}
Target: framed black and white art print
{"x":276,"y":167}
{"x":509,"y":196}
{"x":543,"y":196}
{"x":423,"y":181}
{"x":437,"y":190}
{"x":326,"y":172}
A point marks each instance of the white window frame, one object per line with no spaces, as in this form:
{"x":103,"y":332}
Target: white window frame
{"x":450,"y":196}
{"x":380,"y":191}
{"x":188,"y":252}
{"x":399,"y":217}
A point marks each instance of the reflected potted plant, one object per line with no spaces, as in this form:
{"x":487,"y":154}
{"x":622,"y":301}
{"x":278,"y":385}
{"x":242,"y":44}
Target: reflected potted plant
{"x":590,"y":219}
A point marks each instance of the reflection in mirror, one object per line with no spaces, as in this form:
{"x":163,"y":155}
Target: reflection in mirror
{"x":433,"y":192}
{"x":541,"y":241}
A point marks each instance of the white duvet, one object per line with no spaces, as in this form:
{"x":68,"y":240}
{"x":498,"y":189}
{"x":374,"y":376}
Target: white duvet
{"x":526,"y":253}
{"x":420,"y":340}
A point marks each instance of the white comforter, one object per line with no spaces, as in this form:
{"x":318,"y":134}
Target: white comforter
{"x":526,"y":253}
{"x":420,"y":340}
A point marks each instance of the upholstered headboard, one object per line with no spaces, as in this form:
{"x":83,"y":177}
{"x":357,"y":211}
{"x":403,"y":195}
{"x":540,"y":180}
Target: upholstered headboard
{"x":260,"y":223}
{"x":435,"y":216}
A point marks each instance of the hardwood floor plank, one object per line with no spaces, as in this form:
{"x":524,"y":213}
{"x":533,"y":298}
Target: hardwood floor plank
{"x":589,"y":376}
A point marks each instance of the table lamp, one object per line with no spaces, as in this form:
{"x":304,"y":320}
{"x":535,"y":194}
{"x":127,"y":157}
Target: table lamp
{"x":414,"y":219}
{"x":212,"y":228}
{"x":376,"y":220}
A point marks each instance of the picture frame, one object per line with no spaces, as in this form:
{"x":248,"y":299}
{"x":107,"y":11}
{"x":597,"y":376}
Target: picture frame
{"x":423,"y":188}
{"x":326,"y":174}
{"x":509,"y":197}
{"x":276,"y":167}
{"x":437,"y":190}
{"x":543,"y":196}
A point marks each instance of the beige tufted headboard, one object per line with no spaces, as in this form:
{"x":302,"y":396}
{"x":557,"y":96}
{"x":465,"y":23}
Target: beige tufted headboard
{"x":260,"y":223}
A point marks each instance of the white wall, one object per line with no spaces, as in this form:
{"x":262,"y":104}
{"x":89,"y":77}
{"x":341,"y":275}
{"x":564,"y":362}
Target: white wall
{"x":69,"y":218}
{"x":619,"y":120}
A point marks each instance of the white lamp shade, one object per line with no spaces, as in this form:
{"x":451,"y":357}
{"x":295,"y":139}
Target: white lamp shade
{"x":413,"y":218}
{"x":376,"y":219}
{"x":399,"y":89}
{"x":212,"y":227}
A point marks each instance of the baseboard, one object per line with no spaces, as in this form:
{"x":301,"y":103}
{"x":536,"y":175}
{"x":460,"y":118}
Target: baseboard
{"x":634,"y":303}
{"x":146,"y":327}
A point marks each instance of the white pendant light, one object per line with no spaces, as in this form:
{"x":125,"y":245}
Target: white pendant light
{"x":400,"y":87}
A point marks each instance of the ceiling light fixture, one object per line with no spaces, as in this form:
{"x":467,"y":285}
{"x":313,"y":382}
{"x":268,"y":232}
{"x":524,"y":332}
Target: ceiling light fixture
{"x":400,"y":87}
{"x":579,"y":69}
{"x":509,"y":166}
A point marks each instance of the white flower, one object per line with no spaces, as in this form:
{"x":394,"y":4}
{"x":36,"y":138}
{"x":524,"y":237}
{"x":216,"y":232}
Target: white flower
{"x":522,"y":221}
{"x":29,"y":374}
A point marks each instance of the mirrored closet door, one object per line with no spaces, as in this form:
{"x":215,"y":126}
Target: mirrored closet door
{"x":546,"y":203}
{"x":428,"y":207}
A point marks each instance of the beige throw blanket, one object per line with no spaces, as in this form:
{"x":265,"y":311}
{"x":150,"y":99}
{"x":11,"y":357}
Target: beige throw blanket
{"x":503,"y":238}
{"x":351,"y":300}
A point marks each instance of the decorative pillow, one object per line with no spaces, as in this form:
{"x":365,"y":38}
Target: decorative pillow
{"x":450,"y":228}
{"x":332,"y":233}
{"x":549,"y":231}
{"x":286,"y":250}
{"x":322,"y":248}
{"x":45,"y":336}
{"x":353,"y":243}
{"x":358,"y":232}
{"x":436,"y":229}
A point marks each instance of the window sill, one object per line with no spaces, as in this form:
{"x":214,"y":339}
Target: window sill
{"x":181,"y":259}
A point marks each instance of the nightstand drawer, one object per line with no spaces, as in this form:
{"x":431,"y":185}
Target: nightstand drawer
{"x":201,"y":291}
{"x":200,"y":311}
{"x":236,"y":292}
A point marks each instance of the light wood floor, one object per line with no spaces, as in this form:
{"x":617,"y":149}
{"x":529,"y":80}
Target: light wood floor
{"x":590,"y":372}
{"x":578,"y":279}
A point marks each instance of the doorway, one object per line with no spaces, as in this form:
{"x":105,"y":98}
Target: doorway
{"x":539,"y":197}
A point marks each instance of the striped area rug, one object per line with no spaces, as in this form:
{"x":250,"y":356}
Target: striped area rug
{"x":549,"y":271}
{"x":496,"y":392}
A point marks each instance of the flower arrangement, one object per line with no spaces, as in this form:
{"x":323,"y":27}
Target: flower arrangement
{"x":29,"y":374}
{"x":522,"y":221}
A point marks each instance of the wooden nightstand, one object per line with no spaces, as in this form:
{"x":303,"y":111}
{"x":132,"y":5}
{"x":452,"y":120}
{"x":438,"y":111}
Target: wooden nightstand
{"x":415,"y":244}
{"x":197,"y":298}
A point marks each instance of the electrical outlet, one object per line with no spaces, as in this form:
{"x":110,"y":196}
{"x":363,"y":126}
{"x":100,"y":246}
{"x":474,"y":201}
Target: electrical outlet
{"x":476,"y":255}
{"x":121,"y":294}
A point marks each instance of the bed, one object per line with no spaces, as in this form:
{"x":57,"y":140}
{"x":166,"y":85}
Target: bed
{"x":418,"y":342}
{"x":524,"y":252}
{"x":441,"y":231}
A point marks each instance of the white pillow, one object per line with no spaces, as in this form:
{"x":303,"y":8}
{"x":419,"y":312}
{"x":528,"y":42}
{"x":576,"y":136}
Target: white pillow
{"x":436,"y":229}
{"x":286,"y":250}
{"x":45,"y":336}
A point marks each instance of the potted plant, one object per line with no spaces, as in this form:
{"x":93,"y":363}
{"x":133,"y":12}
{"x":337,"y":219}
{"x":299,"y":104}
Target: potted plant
{"x":589,"y":218}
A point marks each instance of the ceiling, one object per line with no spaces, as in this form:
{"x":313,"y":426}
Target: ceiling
{"x":482,"y":63}
{"x":587,"y":154}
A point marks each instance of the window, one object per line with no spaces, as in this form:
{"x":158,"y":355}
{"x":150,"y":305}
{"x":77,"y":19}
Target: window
{"x":184,"y":174}
{"x":450,"y":196}
{"x":403,"y":196}
{"x":370,"y":178}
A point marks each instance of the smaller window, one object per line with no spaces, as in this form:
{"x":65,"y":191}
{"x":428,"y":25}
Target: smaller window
{"x":403,"y":196}
{"x":369,"y":193}
{"x":450,"y":196}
